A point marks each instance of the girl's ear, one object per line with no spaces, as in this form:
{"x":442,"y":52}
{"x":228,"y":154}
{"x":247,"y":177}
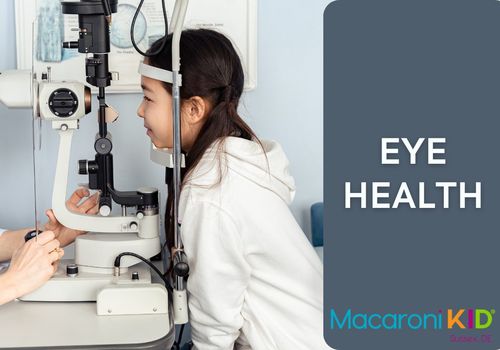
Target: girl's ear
{"x":195,"y":109}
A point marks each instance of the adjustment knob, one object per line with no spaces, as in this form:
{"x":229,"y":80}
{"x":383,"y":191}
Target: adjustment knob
{"x":105,"y":210}
{"x":30,"y":235}
{"x":72,"y":270}
{"x":103,"y":145}
{"x":181,"y":269}
{"x":83,"y":167}
{"x":63,"y":103}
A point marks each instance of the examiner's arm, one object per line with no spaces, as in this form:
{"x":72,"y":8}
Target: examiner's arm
{"x":31,"y":266}
{"x":79,"y":202}
{"x":10,"y":241}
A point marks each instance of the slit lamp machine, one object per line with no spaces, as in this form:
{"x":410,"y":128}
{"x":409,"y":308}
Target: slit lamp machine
{"x":107,"y":267}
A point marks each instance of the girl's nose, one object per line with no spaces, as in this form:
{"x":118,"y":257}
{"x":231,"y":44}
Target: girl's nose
{"x":140,"y":111}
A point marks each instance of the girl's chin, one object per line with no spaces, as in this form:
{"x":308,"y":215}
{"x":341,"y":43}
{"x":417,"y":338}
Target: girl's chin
{"x":151,"y":138}
{"x":157,"y":144}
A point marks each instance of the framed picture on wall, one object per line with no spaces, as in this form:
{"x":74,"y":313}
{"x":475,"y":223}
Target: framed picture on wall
{"x":41,"y":28}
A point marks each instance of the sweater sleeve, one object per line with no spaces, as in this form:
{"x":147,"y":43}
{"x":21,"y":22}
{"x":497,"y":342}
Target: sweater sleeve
{"x":218,"y":278}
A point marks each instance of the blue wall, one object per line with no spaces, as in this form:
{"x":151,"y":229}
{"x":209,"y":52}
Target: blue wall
{"x":286,"y":106}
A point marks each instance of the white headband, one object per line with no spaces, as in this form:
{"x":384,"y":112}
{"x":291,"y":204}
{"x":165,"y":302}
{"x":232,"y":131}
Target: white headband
{"x":157,"y":73}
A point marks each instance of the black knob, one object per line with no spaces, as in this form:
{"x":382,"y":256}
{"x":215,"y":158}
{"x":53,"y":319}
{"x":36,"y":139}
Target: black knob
{"x":63,"y":103}
{"x":72,"y":270}
{"x":181,"y":269}
{"x":30,"y":235}
{"x":135,"y":276}
{"x":82,"y":167}
{"x":70,"y":44}
{"x":103,"y":145}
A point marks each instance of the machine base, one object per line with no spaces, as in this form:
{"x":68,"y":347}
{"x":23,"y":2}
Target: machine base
{"x":85,"y":285}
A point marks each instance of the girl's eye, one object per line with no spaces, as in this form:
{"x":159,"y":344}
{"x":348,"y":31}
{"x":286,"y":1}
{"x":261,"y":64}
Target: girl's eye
{"x":147,"y":99}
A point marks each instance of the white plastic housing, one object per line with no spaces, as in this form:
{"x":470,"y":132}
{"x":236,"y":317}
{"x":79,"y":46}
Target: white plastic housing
{"x":86,"y":285}
{"x":16,"y":88}
{"x":165,"y":157}
{"x":101,"y":249}
{"x":45,"y":90}
{"x":180,"y":306}
{"x":132,"y":299}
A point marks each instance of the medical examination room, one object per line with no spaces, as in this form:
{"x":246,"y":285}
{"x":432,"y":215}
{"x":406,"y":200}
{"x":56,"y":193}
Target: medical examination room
{"x":161,"y":175}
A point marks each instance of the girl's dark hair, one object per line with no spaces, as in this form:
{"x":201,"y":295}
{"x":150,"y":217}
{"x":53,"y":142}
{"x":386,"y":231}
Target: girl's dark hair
{"x":211,"y":69}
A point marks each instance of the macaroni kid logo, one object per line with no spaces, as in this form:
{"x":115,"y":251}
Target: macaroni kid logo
{"x":478,"y":319}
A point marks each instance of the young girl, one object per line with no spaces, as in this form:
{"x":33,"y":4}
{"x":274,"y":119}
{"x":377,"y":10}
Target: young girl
{"x":255,"y":281}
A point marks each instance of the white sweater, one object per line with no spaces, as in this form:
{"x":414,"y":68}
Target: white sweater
{"x":255,"y":281}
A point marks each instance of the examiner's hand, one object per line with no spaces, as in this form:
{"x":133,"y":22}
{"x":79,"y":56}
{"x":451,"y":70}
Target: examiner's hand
{"x":88,"y":205}
{"x":32,"y":264}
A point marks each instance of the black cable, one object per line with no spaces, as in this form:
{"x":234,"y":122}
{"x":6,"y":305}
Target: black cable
{"x":132,"y":27}
{"x":180,"y":335}
{"x":149,"y":263}
{"x":107,"y":8}
{"x":177,"y":344}
{"x":170,"y":264}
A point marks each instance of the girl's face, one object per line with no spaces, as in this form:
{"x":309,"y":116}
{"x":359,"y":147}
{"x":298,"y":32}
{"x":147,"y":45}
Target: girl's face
{"x":156,"y":110}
